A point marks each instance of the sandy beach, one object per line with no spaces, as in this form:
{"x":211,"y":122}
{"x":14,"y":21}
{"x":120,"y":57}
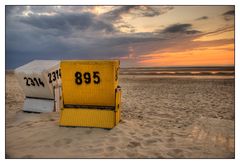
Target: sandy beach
{"x":162,"y":117}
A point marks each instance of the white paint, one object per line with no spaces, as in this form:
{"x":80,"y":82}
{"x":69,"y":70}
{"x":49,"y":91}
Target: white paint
{"x":38,"y":105}
{"x":58,"y":98}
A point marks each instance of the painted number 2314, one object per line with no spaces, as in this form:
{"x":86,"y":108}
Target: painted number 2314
{"x":33,"y":81}
{"x":53,"y":76}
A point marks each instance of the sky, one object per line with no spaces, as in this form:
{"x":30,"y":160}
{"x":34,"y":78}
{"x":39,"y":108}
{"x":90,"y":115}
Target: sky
{"x":138,"y":36}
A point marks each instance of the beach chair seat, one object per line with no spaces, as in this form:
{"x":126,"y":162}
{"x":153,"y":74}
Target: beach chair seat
{"x":40,"y":81}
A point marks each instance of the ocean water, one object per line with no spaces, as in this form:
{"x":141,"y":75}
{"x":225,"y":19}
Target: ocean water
{"x":227,"y":71}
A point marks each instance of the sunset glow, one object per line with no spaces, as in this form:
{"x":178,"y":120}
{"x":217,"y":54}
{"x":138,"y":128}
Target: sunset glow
{"x":207,"y":57}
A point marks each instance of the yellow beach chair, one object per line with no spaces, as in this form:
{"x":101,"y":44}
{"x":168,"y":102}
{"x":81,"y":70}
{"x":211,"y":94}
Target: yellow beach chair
{"x":91,"y":95}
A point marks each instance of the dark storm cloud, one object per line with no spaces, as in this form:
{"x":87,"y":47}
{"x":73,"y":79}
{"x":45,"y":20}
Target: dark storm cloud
{"x":202,"y":18}
{"x":180,"y":28}
{"x":177,"y":28}
{"x":68,"y":21}
{"x":132,"y":39}
{"x":229,"y":15}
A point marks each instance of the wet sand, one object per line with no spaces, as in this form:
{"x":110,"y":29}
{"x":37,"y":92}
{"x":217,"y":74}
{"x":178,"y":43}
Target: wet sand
{"x":161,"y":118}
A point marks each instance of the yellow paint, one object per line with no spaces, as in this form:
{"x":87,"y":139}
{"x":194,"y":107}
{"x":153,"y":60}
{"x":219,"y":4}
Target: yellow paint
{"x":87,"y":117}
{"x":118,"y":105}
{"x":105,"y":93}
{"x":89,"y":94}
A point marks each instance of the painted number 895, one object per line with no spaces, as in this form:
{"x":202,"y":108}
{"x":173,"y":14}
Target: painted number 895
{"x":86,"y":76}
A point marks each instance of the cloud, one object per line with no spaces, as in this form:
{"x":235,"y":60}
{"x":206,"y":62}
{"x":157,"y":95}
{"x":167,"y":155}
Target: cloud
{"x":147,"y":11}
{"x":137,"y":11}
{"x":126,"y":27}
{"x":15,"y":10}
{"x":220,"y":30}
{"x":68,"y":21}
{"x":116,"y":14}
{"x":228,"y":15}
{"x":202,"y":18}
{"x":180,"y":28}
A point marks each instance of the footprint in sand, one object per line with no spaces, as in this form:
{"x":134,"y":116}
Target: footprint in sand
{"x":110,"y":148}
{"x":96,"y":150}
{"x":146,"y":135}
{"x":89,"y":131}
{"x":133,"y":144}
{"x":158,"y":155}
{"x":171,"y":139}
{"x":132,"y":154}
{"x":176,"y":153}
{"x":151,"y":141}
{"x":114,"y":139}
{"x":132,"y":133}
{"x":155,"y":133}
{"x":137,"y":138}
{"x":23,"y":125}
{"x":9,"y":126}
{"x":62,"y":142}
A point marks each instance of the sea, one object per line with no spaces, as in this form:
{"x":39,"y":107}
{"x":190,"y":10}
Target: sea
{"x":204,"y":72}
